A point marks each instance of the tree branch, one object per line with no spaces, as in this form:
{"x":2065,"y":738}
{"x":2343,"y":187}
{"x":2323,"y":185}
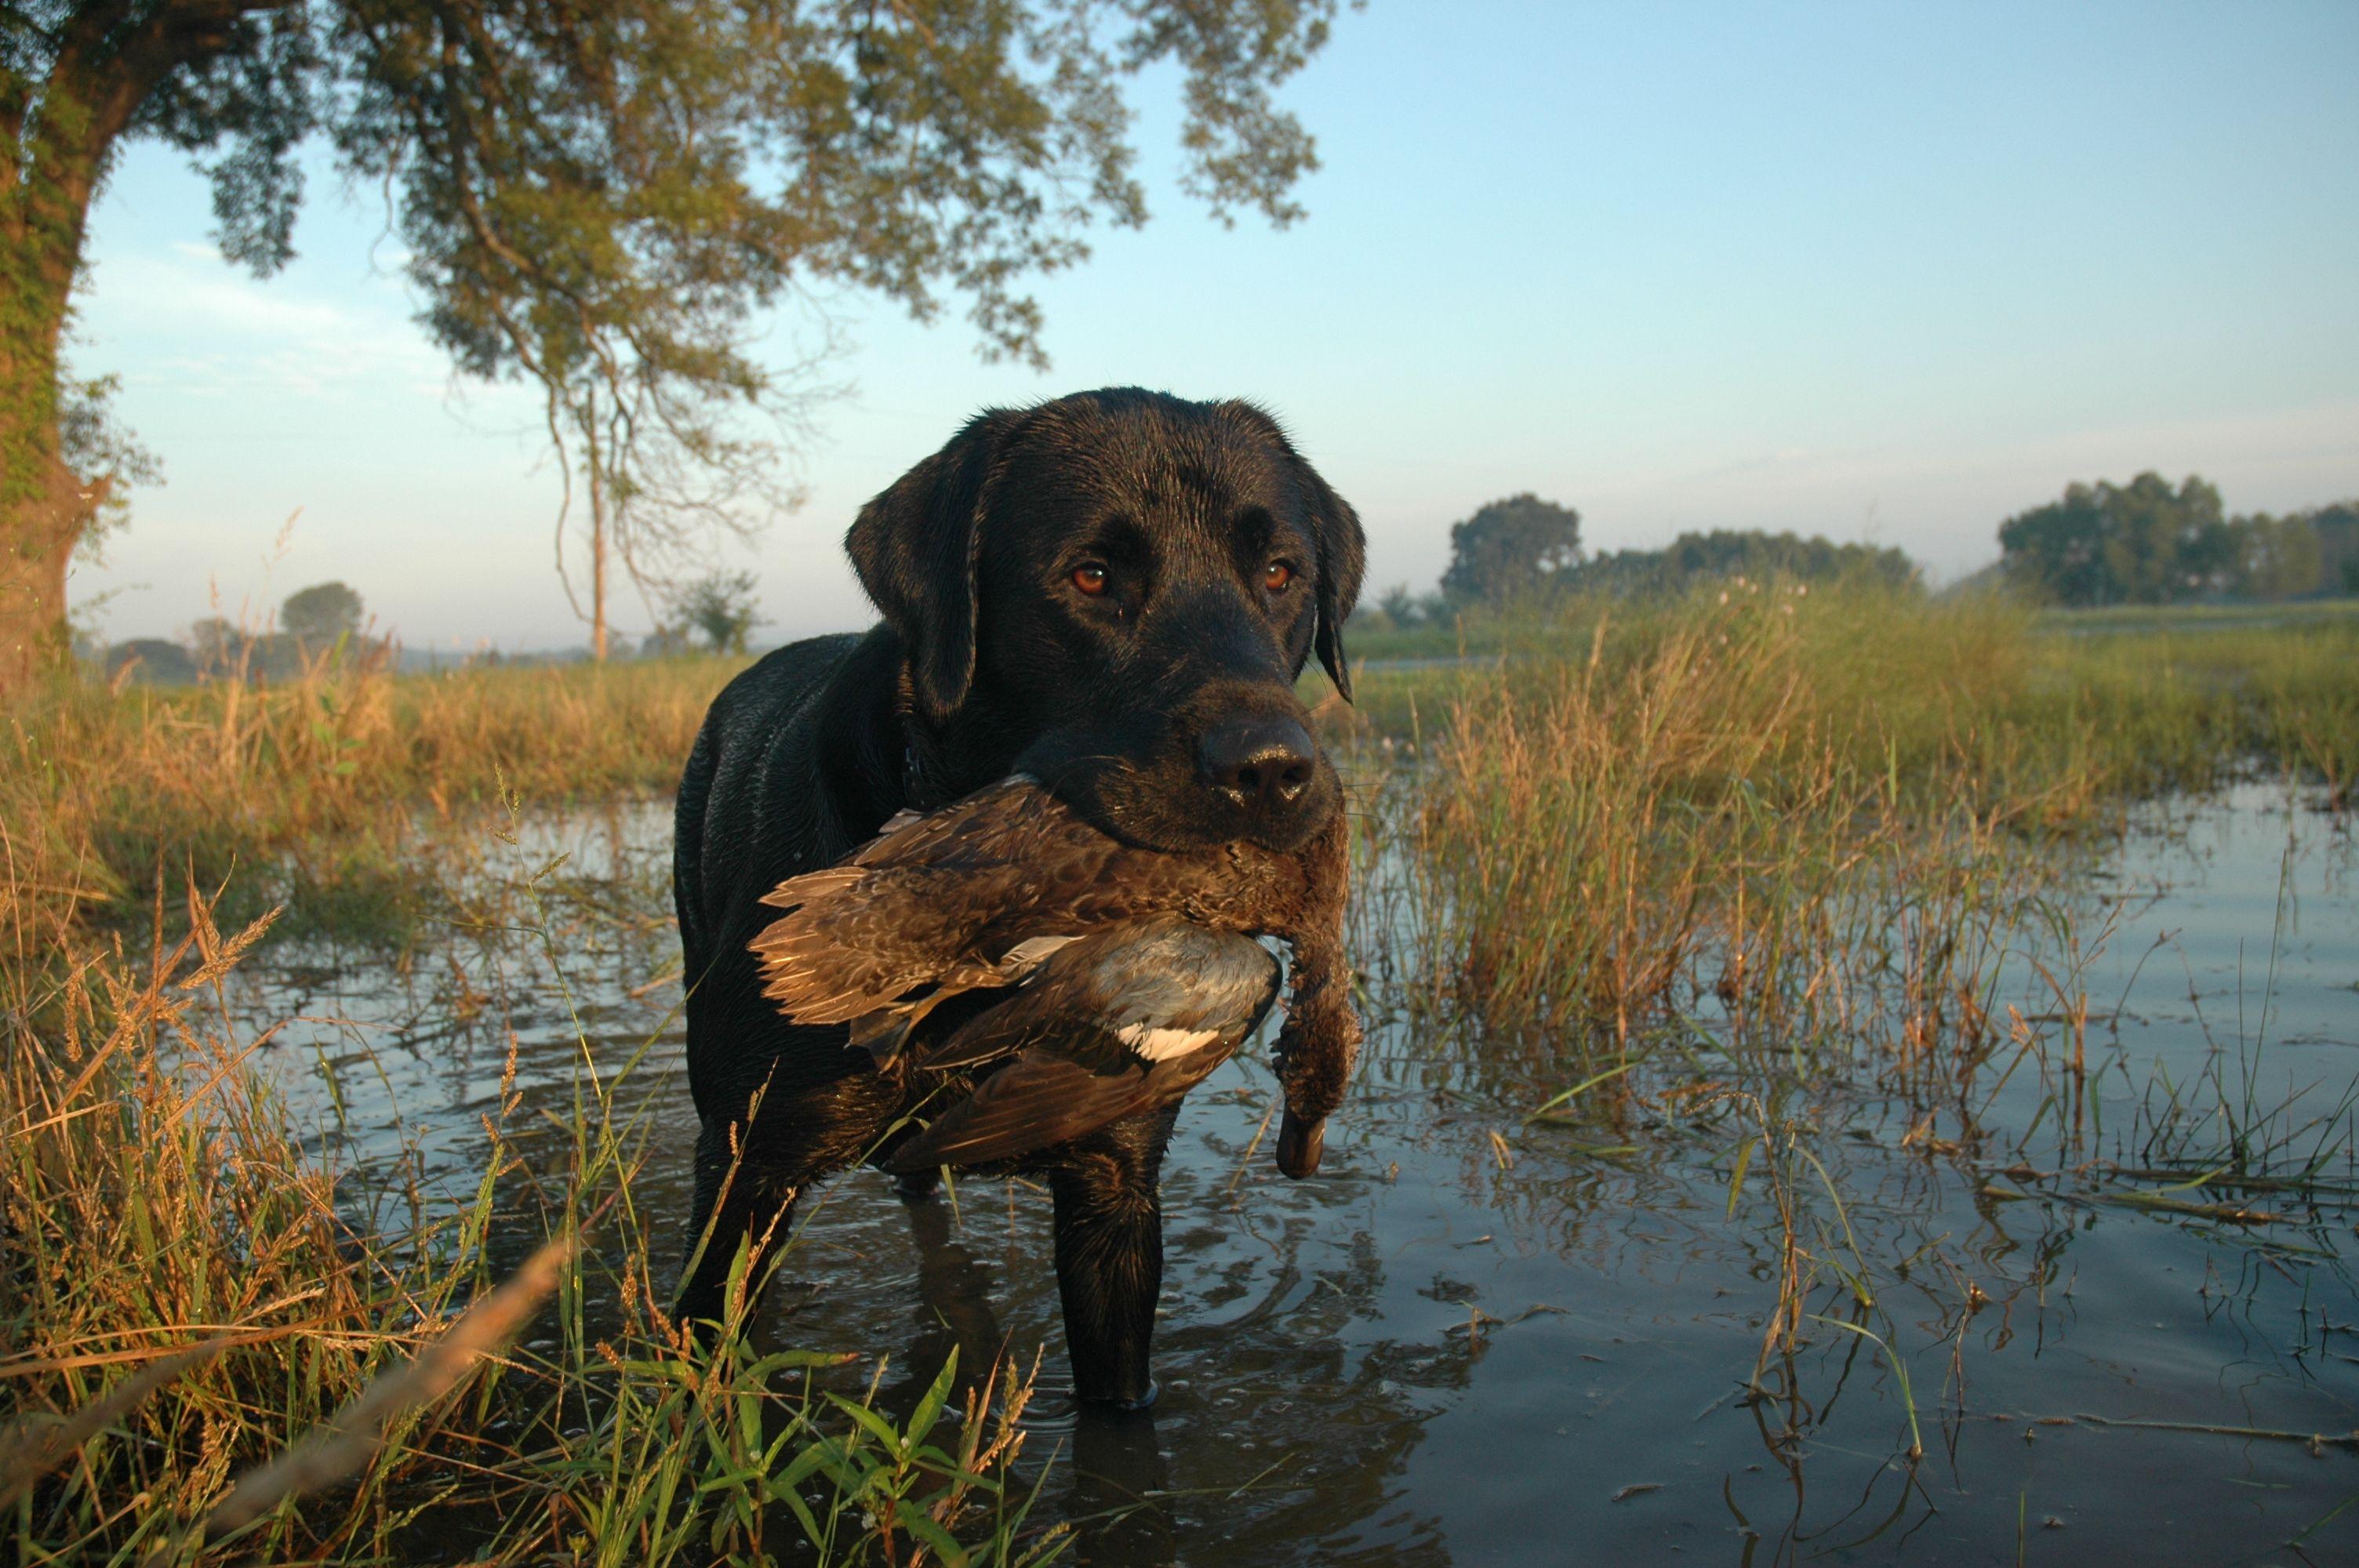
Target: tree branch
{"x":106,"y":66}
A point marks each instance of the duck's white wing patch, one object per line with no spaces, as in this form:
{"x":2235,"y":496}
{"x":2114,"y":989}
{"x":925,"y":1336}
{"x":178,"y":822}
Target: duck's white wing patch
{"x":1161,"y":1045}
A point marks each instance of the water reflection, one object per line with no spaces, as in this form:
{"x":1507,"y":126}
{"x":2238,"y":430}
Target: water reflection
{"x":1478,"y":1339}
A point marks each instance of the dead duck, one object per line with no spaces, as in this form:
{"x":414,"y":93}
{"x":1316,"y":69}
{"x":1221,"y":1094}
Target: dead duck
{"x":1130,"y":970}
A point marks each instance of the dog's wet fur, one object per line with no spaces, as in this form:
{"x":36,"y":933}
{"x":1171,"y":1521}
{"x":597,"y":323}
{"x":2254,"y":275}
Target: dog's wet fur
{"x":1161,"y":708}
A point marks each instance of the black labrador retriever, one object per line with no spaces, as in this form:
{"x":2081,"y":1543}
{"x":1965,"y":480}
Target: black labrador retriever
{"x":1113,"y":592}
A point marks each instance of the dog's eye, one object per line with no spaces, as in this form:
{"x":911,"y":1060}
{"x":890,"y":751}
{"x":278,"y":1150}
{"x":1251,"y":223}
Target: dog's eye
{"x":1091,"y":579}
{"x":1276,"y":577}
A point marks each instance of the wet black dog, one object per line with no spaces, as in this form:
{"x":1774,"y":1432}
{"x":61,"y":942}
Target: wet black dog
{"x":1112,"y":593}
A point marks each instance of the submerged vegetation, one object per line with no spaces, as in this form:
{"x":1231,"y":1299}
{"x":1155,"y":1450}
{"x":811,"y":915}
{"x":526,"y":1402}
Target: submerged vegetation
{"x":337,"y":783}
{"x":1772,"y":858}
{"x":203,"y":1325}
{"x":1726,"y":873}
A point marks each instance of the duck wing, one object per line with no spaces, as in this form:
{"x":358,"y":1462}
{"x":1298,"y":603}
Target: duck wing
{"x":924,"y":908}
{"x":1115,"y":1023}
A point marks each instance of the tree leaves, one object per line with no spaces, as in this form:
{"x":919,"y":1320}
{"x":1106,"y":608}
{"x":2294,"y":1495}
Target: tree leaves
{"x":2145,"y":543}
{"x":1511,"y":548}
{"x":608,"y":197}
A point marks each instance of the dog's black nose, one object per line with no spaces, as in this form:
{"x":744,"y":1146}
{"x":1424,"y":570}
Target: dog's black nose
{"x":1262,"y":764}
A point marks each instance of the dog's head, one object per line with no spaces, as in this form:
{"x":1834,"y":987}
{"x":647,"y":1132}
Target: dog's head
{"x":1115,"y":592}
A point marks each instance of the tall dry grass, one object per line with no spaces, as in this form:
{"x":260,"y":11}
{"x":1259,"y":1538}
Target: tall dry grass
{"x":1759,"y":790}
{"x":2036,"y":715}
{"x":1700,"y":798}
{"x":1776,"y":840}
{"x":214,"y":1347}
{"x":340,"y":776}
{"x":1782,"y":868}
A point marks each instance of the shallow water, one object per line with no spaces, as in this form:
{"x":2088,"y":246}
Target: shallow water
{"x":1472,"y":1339}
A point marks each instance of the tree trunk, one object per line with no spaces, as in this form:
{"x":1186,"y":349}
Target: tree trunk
{"x":44,"y":505}
{"x":104,"y":62}
{"x":39,"y":528}
{"x":598,"y":583}
{"x":595,"y":471}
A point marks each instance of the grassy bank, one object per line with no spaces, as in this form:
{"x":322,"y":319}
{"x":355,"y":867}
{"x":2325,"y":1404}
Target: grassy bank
{"x":1478,"y":633}
{"x":329,"y":793}
{"x":1683,"y":870}
{"x":217,"y":1347}
{"x":337,"y":782}
{"x":1775,"y":871}
{"x":1969,"y":694}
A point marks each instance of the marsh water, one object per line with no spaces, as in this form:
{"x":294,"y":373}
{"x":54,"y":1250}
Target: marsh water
{"x":1477,"y":1338}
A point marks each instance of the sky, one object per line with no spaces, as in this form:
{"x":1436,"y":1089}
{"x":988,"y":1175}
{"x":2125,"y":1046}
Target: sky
{"x":1884,"y":273}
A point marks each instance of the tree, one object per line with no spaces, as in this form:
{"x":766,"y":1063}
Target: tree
{"x":603,"y":196}
{"x":318,"y":615}
{"x":2277,"y":558}
{"x":2161,"y":544}
{"x":720,"y":606}
{"x":1511,"y":548}
{"x":2337,"y":528}
{"x":216,"y":646}
{"x":1692,"y":558}
{"x":1399,"y":607}
{"x":664,"y":642}
{"x":2142,"y":543}
{"x":152,"y":661}
{"x":2057,"y":552}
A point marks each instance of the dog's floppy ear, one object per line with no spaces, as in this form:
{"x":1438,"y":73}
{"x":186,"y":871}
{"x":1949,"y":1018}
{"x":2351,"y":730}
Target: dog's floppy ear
{"x":916,"y":548}
{"x":1342,"y":558}
{"x":1342,"y":548}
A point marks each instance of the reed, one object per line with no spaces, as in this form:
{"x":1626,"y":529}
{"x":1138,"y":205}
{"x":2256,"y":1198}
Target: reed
{"x":217,"y":1346}
{"x":1789,"y":802}
{"x":2060,"y":717}
{"x":1716,"y":862}
{"x":1768,"y":860}
{"x":342,"y":777}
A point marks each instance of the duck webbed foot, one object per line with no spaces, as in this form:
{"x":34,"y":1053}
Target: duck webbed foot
{"x":1316,"y":1051}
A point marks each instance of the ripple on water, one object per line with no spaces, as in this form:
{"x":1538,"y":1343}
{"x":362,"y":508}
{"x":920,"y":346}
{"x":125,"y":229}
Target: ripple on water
{"x":1426,"y":1354}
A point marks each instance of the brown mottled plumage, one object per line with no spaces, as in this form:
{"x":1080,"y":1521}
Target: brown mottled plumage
{"x":984,"y":892}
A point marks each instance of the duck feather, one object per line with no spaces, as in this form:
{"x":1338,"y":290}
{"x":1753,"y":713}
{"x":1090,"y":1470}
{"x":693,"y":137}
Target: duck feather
{"x":1011,"y":888}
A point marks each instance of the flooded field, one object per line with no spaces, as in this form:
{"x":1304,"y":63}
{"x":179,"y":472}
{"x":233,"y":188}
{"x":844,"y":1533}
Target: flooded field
{"x":1696,"y":1310}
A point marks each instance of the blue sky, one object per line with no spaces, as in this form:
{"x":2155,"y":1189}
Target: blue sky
{"x":1875,"y":271}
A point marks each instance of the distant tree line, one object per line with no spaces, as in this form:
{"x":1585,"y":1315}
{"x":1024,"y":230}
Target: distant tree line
{"x":2141,"y":543}
{"x":2147,"y":543}
{"x":1525,"y":552}
{"x":328,"y":621}
{"x":1692,"y":558}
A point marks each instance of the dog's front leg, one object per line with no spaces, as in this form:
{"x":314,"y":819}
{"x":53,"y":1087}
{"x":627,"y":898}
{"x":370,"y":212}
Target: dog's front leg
{"x":742,"y":1202}
{"x":1110,"y":1255}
